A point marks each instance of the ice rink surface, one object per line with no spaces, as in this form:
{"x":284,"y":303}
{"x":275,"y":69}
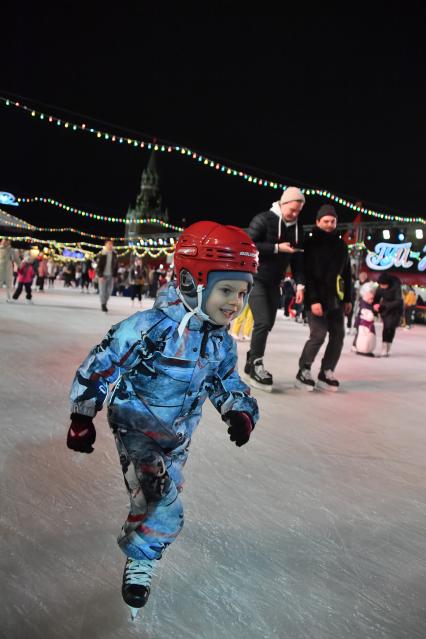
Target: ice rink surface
{"x":316,"y":529}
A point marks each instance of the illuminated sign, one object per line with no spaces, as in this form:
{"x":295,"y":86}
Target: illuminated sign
{"x":8,"y":198}
{"x":392,"y":256}
{"x":77,"y":254}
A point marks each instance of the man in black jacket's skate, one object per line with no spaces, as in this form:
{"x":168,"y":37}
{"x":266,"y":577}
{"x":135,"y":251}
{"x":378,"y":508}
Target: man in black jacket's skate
{"x":327,"y":299}
{"x":278,"y":237}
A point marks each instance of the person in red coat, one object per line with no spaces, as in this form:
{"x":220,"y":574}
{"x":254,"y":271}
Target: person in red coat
{"x":25,"y":277}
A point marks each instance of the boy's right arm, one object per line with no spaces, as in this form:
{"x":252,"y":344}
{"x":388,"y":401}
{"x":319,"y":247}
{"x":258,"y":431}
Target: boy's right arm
{"x":102,"y":367}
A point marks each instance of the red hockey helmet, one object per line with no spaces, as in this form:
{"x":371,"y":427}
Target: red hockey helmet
{"x":208,"y":246}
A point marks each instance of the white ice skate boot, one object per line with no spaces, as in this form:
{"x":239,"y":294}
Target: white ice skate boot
{"x":136,"y":583}
{"x":258,"y":377}
{"x":327,"y":381}
{"x":304,"y":379}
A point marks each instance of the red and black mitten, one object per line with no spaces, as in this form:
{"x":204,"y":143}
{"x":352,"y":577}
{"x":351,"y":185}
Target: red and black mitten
{"x":81,"y":433}
{"x":240,"y":426}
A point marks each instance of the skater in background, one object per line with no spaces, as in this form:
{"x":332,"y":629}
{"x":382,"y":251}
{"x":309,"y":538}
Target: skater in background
{"x":52,"y":271}
{"x":328,"y":299}
{"x":165,"y":362}
{"x":410,"y":301}
{"x":8,"y":259}
{"x":107,"y":267}
{"x":26,"y":274}
{"x":42,"y":272}
{"x":388,"y":303}
{"x":362,"y":279}
{"x":243,"y":325}
{"x":365,"y":338}
{"x":278,"y":236}
{"x":86,"y":265}
{"x":137,"y":277}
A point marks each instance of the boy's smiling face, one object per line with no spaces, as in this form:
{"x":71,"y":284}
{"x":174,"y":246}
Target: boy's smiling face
{"x":226,"y":300}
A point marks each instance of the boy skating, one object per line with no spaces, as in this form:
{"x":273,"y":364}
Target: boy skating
{"x":164,"y":363}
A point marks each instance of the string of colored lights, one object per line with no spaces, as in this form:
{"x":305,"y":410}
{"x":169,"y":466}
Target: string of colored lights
{"x":201,"y":159}
{"x":141,"y":251}
{"x":97,"y":216}
{"x":9,"y":220}
{"x":70,"y":229}
{"x":141,"y":243}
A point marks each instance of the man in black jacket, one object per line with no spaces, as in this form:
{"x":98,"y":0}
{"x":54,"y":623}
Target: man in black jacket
{"x":278,"y":237}
{"x":107,"y":267}
{"x":327,"y":299}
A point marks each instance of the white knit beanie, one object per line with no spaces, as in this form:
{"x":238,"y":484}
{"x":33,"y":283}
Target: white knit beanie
{"x":291,"y":194}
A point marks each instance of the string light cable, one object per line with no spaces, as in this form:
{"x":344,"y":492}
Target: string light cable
{"x":144,"y":142}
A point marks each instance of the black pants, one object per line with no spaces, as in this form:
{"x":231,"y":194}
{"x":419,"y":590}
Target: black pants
{"x":137,"y":291}
{"x":287,"y":301}
{"x":333,"y":324}
{"x":19,"y":290}
{"x":389,"y":328}
{"x":263,"y":302}
{"x":410,"y":315}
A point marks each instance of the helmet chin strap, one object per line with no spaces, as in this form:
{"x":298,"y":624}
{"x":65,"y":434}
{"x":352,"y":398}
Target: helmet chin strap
{"x":193,"y":312}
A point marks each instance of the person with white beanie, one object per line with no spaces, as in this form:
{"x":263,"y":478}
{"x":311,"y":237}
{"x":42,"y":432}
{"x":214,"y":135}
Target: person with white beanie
{"x":278,"y":236}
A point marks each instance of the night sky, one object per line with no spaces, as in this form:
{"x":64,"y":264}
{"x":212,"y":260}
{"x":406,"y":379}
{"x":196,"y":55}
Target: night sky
{"x":325,"y":99}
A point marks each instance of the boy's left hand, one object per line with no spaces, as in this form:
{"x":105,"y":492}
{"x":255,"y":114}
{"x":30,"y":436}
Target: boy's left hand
{"x":240,"y":426}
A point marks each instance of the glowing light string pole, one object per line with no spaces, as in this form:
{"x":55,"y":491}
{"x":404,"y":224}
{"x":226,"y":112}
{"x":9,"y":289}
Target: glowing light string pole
{"x":205,"y":161}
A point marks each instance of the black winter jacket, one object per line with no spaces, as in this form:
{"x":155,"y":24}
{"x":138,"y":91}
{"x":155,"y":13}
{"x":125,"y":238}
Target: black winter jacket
{"x":390,"y":300}
{"x":325,"y":257}
{"x":264,"y":231}
{"x":101,"y":261}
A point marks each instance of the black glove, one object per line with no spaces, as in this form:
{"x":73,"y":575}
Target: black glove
{"x":240,"y":426}
{"x":81,"y":434}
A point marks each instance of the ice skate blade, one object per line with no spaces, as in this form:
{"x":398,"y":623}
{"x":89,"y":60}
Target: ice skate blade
{"x":133,"y":612}
{"x":304,"y":387}
{"x":266,"y":388}
{"x":326,"y":387}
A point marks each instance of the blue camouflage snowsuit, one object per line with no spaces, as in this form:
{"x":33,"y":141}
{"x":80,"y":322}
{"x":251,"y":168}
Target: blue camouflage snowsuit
{"x":161,"y":382}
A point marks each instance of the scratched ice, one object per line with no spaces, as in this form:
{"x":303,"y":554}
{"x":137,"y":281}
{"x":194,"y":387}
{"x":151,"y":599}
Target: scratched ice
{"x":315,"y":529}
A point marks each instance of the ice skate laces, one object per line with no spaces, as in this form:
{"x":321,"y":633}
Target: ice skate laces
{"x":307,"y":375}
{"x":330,"y":375}
{"x":139,"y":571}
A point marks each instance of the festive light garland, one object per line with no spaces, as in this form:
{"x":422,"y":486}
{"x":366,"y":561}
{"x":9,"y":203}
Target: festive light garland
{"x":205,"y":161}
{"x":6,"y":219}
{"x":151,"y":250}
{"x":70,"y":229}
{"x":97,"y":216}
